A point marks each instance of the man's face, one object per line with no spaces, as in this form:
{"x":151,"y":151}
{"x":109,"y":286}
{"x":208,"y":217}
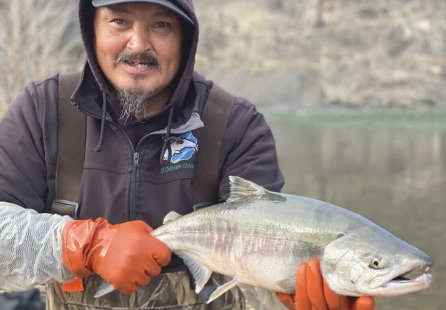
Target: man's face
{"x":138,"y":46}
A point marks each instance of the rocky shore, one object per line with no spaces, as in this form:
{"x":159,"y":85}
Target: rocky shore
{"x":306,"y":53}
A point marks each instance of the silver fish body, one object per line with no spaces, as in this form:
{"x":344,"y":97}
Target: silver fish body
{"x":259,"y":238}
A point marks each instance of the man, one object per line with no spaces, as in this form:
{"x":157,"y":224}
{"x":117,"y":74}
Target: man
{"x":143,"y":102}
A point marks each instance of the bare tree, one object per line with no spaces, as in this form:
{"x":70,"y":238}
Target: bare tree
{"x":37,"y":38}
{"x":320,"y":13}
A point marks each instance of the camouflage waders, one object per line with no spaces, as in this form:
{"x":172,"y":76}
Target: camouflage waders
{"x":167,"y":291}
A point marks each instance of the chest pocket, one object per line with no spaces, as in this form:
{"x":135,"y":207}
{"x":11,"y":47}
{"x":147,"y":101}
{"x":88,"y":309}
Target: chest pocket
{"x":167,"y":291}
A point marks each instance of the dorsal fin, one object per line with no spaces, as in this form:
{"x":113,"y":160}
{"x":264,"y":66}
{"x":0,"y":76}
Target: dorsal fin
{"x":241,"y":188}
{"x":172,"y":215}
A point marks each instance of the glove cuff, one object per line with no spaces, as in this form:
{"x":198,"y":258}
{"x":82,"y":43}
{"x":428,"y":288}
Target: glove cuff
{"x":77,"y":239}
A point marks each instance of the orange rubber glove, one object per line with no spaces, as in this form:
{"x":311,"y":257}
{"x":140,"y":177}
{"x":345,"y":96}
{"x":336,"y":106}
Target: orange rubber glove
{"x":313,"y":293}
{"x":125,"y":255}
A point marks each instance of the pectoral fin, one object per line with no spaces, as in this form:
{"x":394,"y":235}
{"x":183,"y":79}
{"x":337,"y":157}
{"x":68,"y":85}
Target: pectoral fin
{"x":287,"y":285}
{"x":104,"y":289}
{"x":200,"y":273}
{"x":222,"y":289}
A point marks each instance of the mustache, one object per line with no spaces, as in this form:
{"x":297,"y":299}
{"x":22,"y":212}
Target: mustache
{"x":145,"y":58}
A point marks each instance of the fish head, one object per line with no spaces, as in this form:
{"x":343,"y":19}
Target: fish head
{"x":370,"y":261}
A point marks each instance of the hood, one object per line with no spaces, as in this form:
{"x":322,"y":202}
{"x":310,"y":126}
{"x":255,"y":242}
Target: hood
{"x":93,"y":73}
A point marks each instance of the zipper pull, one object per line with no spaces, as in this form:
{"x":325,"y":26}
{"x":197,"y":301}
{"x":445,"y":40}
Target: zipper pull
{"x":136,"y":157}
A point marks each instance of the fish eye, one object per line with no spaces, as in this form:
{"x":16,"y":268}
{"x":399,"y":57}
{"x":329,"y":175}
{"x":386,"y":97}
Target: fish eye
{"x":375,"y":263}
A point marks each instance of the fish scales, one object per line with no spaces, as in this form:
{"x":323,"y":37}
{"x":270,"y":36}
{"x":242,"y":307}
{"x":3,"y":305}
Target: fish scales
{"x":259,"y":238}
{"x":249,"y":240}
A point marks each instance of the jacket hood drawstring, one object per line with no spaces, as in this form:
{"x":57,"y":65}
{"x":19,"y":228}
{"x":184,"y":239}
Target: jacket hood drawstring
{"x":167,"y":139}
{"x":100,"y":145}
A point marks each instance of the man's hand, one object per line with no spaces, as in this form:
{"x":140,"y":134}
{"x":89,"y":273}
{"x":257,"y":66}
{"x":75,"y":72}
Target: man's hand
{"x":313,"y":293}
{"x":125,"y":255}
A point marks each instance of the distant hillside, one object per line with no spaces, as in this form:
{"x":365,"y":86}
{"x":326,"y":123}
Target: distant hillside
{"x":305,"y":53}
{"x":381,"y":53}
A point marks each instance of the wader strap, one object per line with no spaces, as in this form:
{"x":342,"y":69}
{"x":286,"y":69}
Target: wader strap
{"x":70,"y":160}
{"x":215,"y":118}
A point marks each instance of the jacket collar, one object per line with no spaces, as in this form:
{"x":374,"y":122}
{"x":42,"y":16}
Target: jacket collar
{"x":88,"y":98}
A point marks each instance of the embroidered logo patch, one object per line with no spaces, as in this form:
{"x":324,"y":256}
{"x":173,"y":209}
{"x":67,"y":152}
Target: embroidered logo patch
{"x":182,"y":150}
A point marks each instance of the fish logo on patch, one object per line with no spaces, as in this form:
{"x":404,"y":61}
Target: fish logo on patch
{"x":182,"y":150}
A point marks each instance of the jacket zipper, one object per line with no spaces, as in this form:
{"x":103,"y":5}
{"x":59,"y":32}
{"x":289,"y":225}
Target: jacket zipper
{"x":135,"y":163}
{"x":133,"y":171}
{"x":133,"y":185}
{"x":134,"y":174}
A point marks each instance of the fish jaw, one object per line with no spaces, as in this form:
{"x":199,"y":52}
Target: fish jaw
{"x":397,"y":284}
{"x":400,"y":287}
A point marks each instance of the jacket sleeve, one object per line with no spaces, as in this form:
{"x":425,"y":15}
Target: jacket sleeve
{"x":23,"y":155}
{"x":248,"y":150}
{"x":30,"y":248}
{"x":30,"y":242}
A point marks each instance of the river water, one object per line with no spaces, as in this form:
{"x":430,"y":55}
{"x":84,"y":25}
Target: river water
{"x":389,"y":166}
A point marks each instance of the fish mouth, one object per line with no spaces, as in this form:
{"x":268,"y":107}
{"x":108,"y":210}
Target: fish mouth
{"x":413,"y":279}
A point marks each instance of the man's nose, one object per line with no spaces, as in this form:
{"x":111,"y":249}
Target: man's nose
{"x":139,"y":41}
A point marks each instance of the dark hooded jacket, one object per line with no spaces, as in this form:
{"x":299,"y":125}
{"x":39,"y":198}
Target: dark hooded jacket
{"x":126,"y":176}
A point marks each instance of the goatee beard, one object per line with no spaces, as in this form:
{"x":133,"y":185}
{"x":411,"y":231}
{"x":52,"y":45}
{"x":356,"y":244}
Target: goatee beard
{"x":133,"y":102}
